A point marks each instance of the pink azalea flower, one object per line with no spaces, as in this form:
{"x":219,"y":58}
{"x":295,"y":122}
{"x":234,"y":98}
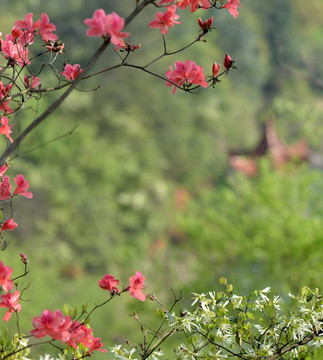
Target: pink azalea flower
{"x":186,"y":72}
{"x":3,"y":169}
{"x":15,"y":51}
{"x":15,"y":32}
{"x":5,"y":108}
{"x":8,"y":225}
{"x":10,"y":301}
{"x":33,"y":83}
{"x":215,"y":69}
{"x":165,"y":20}
{"x":72,"y":72}
{"x":28,"y":29}
{"x":232,"y":6}
{"x":79,"y":334}
{"x":82,"y":334}
{"x":95,"y":345}
{"x":194,"y":4}
{"x":106,"y":25}
{"x":115,"y":24}
{"x":22,"y":187}
{"x":53,"y":324}
{"x":109,"y":283}
{"x":5,"y":281}
{"x":4,"y":90}
{"x":5,"y":128}
{"x":167,"y":2}
{"x":136,"y":285}
{"x":5,"y":188}
{"x":96,"y":24}
{"x":27,"y":25}
{"x":46,"y":28}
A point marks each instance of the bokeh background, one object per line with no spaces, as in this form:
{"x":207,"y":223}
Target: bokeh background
{"x":145,"y":181}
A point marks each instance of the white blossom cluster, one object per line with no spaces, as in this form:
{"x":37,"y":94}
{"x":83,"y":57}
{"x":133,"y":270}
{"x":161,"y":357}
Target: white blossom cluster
{"x":259,"y":326}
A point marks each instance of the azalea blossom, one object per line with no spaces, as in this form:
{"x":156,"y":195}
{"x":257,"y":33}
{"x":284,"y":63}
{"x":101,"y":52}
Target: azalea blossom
{"x":33,"y":83}
{"x":5,"y":128}
{"x":83,"y":334}
{"x":165,"y":20}
{"x":62,"y":328}
{"x":8,"y":225}
{"x":115,"y":24}
{"x":194,"y":4}
{"x":109,"y":283}
{"x":27,"y":25}
{"x":4,"y":92}
{"x":232,"y":6}
{"x":46,"y":29}
{"x":5,"y":188}
{"x":5,"y":274}
{"x":10,"y":301}
{"x":103,"y":25}
{"x":27,"y":29}
{"x":3,"y":169}
{"x":72,"y":72}
{"x":186,"y":72}
{"x":136,"y":285}
{"x":79,"y":334}
{"x":15,"y":51}
{"x":22,"y":187}
{"x":95,"y":344}
{"x":53,"y":324}
{"x":15,"y":32}
{"x":167,"y":2}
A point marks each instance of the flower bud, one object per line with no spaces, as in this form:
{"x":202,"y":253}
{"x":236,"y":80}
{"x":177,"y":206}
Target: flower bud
{"x":215,"y":69}
{"x":206,"y":25}
{"x":23,"y":258}
{"x":228,"y":62}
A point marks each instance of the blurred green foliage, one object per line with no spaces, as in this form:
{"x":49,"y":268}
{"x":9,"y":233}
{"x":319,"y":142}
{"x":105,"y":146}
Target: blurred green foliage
{"x":105,"y":195}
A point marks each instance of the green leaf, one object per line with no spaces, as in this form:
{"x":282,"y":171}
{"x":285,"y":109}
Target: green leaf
{"x":161,"y":313}
{"x":67,"y":309}
{"x":73,"y":314}
{"x":84,"y":307}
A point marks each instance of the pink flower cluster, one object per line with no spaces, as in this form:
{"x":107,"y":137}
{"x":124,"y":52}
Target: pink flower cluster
{"x":21,"y":189}
{"x":106,"y":26}
{"x":4,"y":92}
{"x":15,"y":46}
{"x":183,"y":4}
{"x":62,"y":328}
{"x":231,"y":5}
{"x":185,"y":73}
{"x":5,"y":129}
{"x":9,"y":300}
{"x":74,"y":333}
{"x":136,"y":284}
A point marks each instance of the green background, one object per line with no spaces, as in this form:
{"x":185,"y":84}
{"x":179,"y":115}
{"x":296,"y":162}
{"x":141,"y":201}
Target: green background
{"x":105,"y":196}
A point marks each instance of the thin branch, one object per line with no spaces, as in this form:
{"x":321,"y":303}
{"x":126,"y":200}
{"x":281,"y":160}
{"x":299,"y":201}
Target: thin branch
{"x":285,"y":350}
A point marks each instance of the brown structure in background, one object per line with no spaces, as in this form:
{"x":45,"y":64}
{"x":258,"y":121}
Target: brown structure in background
{"x":271,"y":144}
